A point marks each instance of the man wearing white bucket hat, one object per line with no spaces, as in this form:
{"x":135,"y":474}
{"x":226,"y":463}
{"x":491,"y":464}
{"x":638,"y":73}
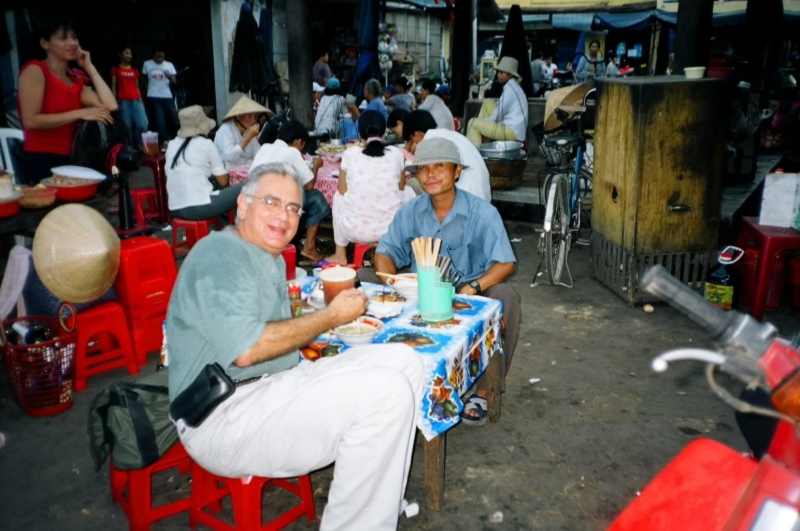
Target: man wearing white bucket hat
{"x":287,"y":417}
{"x":237,"y":137}
{"x":509,"y":119}
{"x":473,"y":237}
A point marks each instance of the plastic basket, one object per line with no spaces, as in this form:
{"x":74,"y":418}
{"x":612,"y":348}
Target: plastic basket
{"x":777,"y":279}
{"x":42,"y":375}
{"x":553,"y":157}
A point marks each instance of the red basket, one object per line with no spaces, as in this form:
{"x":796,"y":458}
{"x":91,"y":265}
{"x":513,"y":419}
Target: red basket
{"x":70,"y":193}
{"x":42,"y":375}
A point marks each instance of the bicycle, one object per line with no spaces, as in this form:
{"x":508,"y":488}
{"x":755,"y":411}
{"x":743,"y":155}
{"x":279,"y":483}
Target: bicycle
{"x":567,"y":209}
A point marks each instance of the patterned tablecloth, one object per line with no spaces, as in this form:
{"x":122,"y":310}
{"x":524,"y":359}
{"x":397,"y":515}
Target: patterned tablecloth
{"x":326,"y":182}
{"x":455,"y":352}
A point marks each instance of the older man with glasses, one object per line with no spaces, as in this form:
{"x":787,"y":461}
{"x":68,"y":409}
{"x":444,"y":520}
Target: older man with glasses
{"x":288,"y":417}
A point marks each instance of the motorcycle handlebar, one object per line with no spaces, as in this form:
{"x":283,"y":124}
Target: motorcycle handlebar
{"x":660,"y":283}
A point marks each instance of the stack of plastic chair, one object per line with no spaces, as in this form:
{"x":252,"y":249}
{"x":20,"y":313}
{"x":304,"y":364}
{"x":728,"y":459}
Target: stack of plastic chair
{"x":144,"y":284}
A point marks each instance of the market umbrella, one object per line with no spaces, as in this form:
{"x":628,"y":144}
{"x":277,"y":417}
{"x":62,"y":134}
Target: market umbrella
{"x":514,"y":45}
{"x":572,"y":95}
{"x":250,"y":70}
{"x":367,"y":66}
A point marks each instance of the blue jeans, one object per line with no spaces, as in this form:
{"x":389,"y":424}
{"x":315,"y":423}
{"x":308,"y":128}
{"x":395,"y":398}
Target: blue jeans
{"x":315,"y":207}
{"x":166,"y":117}
{"x":134,"y":118}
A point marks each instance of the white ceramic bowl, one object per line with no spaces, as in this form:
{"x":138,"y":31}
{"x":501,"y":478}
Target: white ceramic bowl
{"x":694,"y":72}
{"x":406,"y":285}
{"x":360,"y":332}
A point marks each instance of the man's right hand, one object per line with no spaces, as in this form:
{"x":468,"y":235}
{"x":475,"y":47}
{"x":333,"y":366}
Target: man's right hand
{"x":348,"y":305}
{"x":252,"y":131}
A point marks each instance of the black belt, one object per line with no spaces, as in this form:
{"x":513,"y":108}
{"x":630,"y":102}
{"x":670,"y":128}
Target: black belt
{"x":246,"y":381}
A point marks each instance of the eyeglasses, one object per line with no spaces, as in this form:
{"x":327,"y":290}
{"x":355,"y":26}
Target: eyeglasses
{"x":274,"y":205}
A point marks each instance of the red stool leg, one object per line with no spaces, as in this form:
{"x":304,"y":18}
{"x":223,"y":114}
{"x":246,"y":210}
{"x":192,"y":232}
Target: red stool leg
{"x":118,"y":479}
{"x":140,"y":499}
{"x":307,"y":495}
{"x":247,"y":503}
{"x":359,"y":252}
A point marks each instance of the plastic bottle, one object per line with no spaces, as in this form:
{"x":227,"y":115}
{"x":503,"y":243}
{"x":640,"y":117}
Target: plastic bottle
{"x":295,"y":300}
{"x":723,"y":283}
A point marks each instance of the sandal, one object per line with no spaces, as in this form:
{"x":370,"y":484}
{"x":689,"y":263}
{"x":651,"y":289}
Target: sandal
{"x":476,"y":410}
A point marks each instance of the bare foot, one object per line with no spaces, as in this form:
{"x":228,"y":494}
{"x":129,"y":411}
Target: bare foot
{"x":313,"y":255}
{"x":334,"y":259}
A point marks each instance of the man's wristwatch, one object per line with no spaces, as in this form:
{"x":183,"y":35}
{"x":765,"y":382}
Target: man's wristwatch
{"x":476,"y":286}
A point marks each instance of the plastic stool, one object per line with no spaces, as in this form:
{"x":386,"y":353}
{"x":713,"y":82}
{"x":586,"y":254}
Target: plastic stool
{"x":195,"y":229}
{"x":156,"y":164}
{"x":138,"y":503}
{"x":289,"y":254}
{"x":145,"y":205}
{"x":769,"y":241}
{"x":246,"y":500}
{"x":107,"y":318}
{"x":359,"y":252}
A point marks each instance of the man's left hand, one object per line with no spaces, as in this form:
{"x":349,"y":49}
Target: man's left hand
{"x":468,"y":290}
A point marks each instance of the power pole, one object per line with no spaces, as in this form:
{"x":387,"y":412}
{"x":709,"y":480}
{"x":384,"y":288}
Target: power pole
{"x":461,"y":55}
{"x":298,"y":33}
{"x":694,"y":33}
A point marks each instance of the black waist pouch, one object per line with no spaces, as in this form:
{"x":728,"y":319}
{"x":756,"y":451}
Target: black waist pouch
{"x":195,"y":403}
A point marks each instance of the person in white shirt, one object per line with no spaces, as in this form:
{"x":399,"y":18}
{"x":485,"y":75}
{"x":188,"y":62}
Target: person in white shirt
{"x":159,"y":73}
{"x":194,"y":169}
{"x":287,"y":149}
{"x":237,"y":137}
{"x":550,"y":69}
{"x":509,"y":119}
{"x":420,"y":125}
{"x":330,"y":109}
{"x":434,"y":105}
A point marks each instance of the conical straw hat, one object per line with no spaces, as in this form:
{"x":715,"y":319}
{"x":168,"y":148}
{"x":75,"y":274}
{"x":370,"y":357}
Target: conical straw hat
{"x":245,"y":106}
{"x":564,"y":96}
{"x":76,"y":253}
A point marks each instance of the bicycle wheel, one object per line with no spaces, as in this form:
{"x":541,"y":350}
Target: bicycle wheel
{"x":556,"y":228}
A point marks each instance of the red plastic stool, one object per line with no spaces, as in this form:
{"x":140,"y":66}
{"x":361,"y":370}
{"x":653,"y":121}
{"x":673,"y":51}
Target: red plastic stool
{"x":769,"y":241}
{"x":359,"y":252}
{"x":289,"y":254}
{"x":246,"y":499}
{"x":156,"y":164}
{"x":137,"y":502}
{"x":101,"y":321}
{"x":145,"y":205}
{"x":194,"y":231}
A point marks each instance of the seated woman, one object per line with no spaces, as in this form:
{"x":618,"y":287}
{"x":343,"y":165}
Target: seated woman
{"x":402,"y":99}
{"x":193,"y":169}
{"x":331,"y":106}
{"x":371,"y":188}
{"x":237,"y":137}
{"x":51,"y":102}
{"x":395,"y":124}
{"x":509,"y":117}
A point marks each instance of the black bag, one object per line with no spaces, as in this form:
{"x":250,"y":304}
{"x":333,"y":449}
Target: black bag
{"x":132,"y":421}
{"x":195,"y":403}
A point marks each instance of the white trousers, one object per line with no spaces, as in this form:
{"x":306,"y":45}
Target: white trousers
{"x":358,"y":409}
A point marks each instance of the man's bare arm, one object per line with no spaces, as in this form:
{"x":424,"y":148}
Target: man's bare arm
{"x":281,"y":337}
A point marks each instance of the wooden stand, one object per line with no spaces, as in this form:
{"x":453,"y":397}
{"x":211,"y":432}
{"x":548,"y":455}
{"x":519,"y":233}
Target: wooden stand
{"x":658,"y":168}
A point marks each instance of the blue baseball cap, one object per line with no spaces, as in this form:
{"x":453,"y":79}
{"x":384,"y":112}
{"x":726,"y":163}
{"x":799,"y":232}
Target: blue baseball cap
{"x":390,"y":89}
{"x":333,"y":83}
{"x":444,"y":89}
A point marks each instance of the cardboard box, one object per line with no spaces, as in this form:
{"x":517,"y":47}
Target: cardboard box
{"x":781,"y":200}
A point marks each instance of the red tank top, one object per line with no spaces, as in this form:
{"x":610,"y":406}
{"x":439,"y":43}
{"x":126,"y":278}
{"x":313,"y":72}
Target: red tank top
{"x":58,"y":98}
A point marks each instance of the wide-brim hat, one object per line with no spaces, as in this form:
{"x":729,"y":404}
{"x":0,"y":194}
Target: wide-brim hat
{"x":76,"y":253}
{"x":246,"y":106}
{"x":509,"y":65}
{"x":433,"y":150}
{"x":194,"y":122}
{"x":572,"y":95}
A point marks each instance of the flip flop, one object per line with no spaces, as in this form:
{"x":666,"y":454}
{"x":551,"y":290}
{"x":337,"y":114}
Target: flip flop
{"x":321,"y":263}
{"x":476,"y":405}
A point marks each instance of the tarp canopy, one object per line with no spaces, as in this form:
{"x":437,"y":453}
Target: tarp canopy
{"x":639,"y":20}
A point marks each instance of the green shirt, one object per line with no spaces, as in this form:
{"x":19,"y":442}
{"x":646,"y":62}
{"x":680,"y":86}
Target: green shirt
{"x":226,"y":292}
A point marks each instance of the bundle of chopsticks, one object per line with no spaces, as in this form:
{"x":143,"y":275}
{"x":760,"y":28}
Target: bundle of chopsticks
{"x":426,"y":253}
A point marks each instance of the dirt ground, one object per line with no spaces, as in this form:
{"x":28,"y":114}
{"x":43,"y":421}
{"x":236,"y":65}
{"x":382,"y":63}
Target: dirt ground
{"x":569,"y":452}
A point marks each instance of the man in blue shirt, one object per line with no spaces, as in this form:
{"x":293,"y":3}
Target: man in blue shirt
{"x":473,"y":237}
{"x":372,"y":92}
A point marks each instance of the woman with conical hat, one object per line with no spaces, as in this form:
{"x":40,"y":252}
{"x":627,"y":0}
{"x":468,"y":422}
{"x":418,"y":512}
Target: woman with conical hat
{"x":508,"y":119}
{"x":237,"y":137}
{"x":197,"y":183}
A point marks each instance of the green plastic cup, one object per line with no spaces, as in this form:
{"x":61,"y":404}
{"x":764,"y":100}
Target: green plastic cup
{"x":435,"y":297}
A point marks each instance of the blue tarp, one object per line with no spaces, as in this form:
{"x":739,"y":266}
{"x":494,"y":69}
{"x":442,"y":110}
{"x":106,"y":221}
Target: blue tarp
{"x":640,"y":20}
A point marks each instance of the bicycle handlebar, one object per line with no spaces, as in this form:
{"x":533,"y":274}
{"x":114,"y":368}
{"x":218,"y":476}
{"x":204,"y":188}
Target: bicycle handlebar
{"x":666,"y":287}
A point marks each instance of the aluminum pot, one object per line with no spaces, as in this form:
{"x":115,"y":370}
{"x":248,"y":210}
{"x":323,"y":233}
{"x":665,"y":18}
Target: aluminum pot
{"x":501,"y":150}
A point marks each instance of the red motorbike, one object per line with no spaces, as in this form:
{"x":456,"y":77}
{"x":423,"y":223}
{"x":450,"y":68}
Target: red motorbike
{"x":708,"y":486}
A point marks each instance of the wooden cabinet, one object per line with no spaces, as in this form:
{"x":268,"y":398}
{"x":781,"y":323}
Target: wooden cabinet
{"x":658,"y":168}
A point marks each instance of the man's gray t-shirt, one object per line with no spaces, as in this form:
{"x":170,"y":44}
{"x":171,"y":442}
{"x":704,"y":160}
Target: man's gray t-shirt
{"x":226,"y":292}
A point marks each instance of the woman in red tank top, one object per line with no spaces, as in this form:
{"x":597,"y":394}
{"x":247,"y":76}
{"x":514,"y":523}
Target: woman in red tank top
{"x":51,"y":102}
